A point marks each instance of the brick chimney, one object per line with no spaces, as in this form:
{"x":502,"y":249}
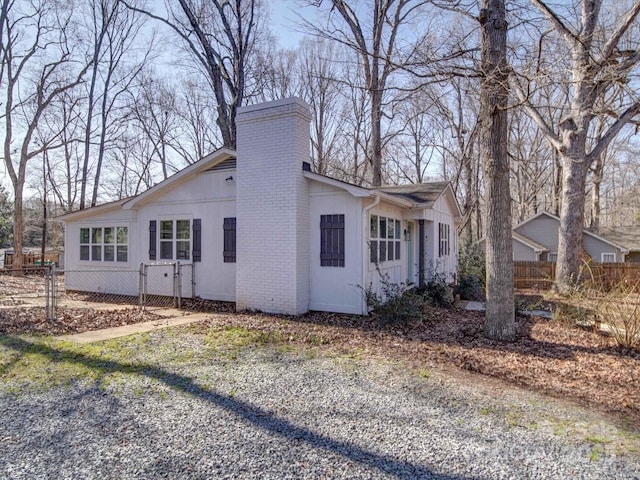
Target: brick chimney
{"x":272,"y":209}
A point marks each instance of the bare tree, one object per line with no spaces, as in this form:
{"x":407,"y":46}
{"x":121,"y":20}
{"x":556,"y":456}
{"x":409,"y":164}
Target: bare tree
{"x":494,"y":94}
{"x":222,"y":36}
{"x":378,"y":50}
{"x":323,"y":91}
{"x":196,"y":111}
{"x":37,"y":68}
{"x":597,"y":63}
{"x":116,"y":62}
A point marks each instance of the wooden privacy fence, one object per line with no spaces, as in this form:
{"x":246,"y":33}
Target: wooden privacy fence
{"x":541,"y":275}
{"x":31,"y":259}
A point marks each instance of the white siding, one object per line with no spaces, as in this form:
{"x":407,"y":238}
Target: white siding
{"x":103,"y":277}
{"x":335,"y":289}
{"x":207,"y":196}
{"x":213,"y":199}
{"x":445,"y":264}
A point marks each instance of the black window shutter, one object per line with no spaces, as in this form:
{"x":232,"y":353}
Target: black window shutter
{"x":152,"y":240}
{"x":229,"y":227}
{"x":332,"y":240}
{"x":197,"y":240}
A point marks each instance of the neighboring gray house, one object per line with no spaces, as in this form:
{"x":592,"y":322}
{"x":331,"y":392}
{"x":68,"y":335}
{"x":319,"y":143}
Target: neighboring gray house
{"x":627,"y":237}
{"x":536,"y":240}
{"x":260,"y":229}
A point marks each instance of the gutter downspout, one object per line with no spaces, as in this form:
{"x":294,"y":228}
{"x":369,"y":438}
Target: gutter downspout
{"x":365,"y":251}
{"x":421,"y":252}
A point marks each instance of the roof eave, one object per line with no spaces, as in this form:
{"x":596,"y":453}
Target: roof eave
{"x":354,"y":190}
{"x":87,"y":212}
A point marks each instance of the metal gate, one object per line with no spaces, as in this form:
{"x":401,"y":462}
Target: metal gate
{"x":166,"y":280}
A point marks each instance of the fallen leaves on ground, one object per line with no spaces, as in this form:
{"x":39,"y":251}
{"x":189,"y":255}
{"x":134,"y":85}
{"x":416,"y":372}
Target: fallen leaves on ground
{"x":68,"y":320}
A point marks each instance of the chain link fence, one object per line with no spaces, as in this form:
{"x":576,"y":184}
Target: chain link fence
{"x":166,"y":284}
{"x":50,"y":293}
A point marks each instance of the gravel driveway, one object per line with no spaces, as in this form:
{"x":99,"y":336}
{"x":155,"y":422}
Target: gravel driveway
{"x":270,"y":413}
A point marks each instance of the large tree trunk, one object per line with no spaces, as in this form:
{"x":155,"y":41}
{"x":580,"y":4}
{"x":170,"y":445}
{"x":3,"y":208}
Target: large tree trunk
{"x":596,"y":181}
{"x":499,"y":316}
{"x":570,"y":248}
{"x":18,"y":230}
{"x":376,"y":137}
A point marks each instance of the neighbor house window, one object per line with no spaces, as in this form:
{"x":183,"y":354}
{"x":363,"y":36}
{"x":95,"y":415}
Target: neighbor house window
{"x":104,"y":244}
{"x":553,"y":256}
{"x":384,"y":239}
{"x":608,"y":258}
{"x":175,"y":239}
{"x":443,"y":238}
{"x":229,"y":247}
{"x":332,"y":240}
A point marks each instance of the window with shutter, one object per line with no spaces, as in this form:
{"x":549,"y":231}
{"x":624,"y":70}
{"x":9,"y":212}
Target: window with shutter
{"x":229,"y":248}
{"x":332,"y":240}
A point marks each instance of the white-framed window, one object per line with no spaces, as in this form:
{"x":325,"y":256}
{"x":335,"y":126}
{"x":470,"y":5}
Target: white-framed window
{"x":608,"y":257}
{"x":553,"y":256}
{"x":443,"y":239}
{"x":384,"y":239}
{"x":175,"y":239}
{"x":104,"y":244}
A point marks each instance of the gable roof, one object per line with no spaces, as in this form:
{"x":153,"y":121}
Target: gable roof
{"x":426,"y":193}
{"x":585,"y":231}
{"x":218,"y":157}
{"x":104,"y":208}
{"x":626,"y":236}
{"x":537,"y":247}
{"x":533,"y":245}
{"x":423,"y":194}
{"x":420,"y":195}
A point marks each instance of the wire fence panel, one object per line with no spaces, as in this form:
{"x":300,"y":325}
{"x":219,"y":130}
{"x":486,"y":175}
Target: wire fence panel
{"x":26,"y":289}
{"x":49,"y":293}
{"x":107,"y":283}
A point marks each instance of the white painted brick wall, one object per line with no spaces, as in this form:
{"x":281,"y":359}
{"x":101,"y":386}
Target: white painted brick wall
{"x":272,"y":210}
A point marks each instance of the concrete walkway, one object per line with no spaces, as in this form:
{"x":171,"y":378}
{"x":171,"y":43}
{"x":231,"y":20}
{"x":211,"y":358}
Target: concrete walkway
{"x":173,"y":319}
{"x":480,"y":307}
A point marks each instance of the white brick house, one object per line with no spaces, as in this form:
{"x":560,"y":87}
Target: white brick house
{"x":262,"y":230}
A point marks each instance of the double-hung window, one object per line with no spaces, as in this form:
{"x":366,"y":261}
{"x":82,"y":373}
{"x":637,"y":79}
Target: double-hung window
{"x":175,"y":239}
{"x":104,"y":244}
{"x":384,"y":239}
